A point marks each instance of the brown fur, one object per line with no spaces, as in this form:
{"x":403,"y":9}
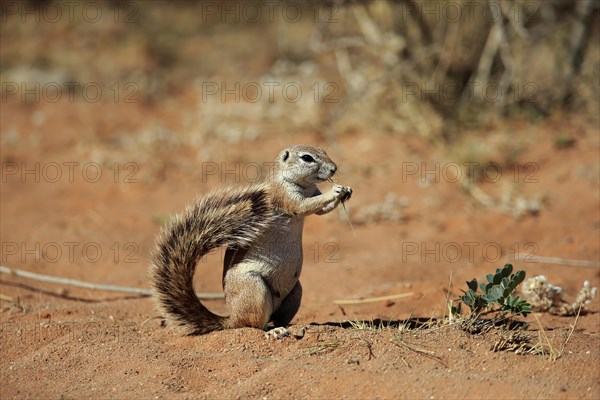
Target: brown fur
{"x":261,"y":226}
{"x":227,"y":218}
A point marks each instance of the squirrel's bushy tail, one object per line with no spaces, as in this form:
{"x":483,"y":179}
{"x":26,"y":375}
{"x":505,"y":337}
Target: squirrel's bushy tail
{"x":231,"y":217}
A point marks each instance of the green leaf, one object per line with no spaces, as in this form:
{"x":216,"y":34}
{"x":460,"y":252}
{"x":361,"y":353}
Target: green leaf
{"x":512,"y":285}
{"x":519,"y":276}
{"x":495,"y":293}
{"x":497,"y":290}
{"x":472,"y":285}
{"x":497,"y":279}
{"x":517,"y":306}
{"x":468,"y":298}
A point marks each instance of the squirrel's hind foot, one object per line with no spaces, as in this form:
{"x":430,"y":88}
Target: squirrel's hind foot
{"x":277,"y":333}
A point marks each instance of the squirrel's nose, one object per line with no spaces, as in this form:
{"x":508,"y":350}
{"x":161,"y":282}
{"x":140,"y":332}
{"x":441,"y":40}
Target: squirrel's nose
{"x":333,"y":169}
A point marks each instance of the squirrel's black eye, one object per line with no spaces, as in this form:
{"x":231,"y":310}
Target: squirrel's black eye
{"x":307,"y":158}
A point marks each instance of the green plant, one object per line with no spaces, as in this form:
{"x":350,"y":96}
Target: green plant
{"x":496,"y":294}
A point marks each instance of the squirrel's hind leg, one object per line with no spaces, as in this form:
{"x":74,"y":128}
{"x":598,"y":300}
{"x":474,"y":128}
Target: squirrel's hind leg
{"x":285,"y":313}
{"x":288,"y":308}
{"x":249,"y":299}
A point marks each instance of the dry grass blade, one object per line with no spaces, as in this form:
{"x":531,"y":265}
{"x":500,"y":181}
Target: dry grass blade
{"x":325,"y":347}
{"x":6,"y":298}
{"x":399,"y":342}
{"x":562,"y":350}
{"x":517,"y":342}
{"x":553,"y":353}
{"x":362,"y":325}
{"x":348,"y":218}
{"x":374,"y":299}
{"x":448,"y":304}
{"x":415,"y":349}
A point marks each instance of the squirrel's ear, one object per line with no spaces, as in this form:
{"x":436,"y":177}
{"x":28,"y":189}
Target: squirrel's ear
{"x":285,"y":155}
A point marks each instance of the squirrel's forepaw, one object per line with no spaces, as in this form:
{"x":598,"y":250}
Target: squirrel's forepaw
{"x":348,"y":193}
{"x":342,"y":193}
{"x":277,"y":333}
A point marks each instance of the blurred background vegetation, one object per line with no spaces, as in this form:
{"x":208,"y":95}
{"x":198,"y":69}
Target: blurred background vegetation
{"x":430,"y":68}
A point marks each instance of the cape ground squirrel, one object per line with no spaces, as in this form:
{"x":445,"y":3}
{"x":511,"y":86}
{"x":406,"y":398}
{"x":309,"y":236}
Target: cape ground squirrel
{"x":261,"y":225}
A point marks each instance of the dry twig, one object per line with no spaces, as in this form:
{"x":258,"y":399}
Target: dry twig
{"x":559,"y":261}
{"x":374,"y":299}
{"x":399,"y":342}
{"x":89,"y":285}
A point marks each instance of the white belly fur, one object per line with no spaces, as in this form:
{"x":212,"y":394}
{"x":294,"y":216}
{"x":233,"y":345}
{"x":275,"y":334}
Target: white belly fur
{"x":277,"y":256}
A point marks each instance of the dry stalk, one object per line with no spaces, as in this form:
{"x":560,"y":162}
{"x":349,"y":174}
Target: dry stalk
{"x":90,"y":285}
{"x":559,"y":261}
{"x":401,"y":343}
{"x":374,"y":299}
{"x":553,"y":353}
{"x":564,"y":346}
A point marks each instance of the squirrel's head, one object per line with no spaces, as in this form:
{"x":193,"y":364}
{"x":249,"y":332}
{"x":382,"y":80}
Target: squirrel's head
{"x":305,"y":165}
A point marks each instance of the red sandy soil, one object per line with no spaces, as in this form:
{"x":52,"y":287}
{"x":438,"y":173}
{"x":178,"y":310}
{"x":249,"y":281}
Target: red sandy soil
{"x":64,"y":342}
